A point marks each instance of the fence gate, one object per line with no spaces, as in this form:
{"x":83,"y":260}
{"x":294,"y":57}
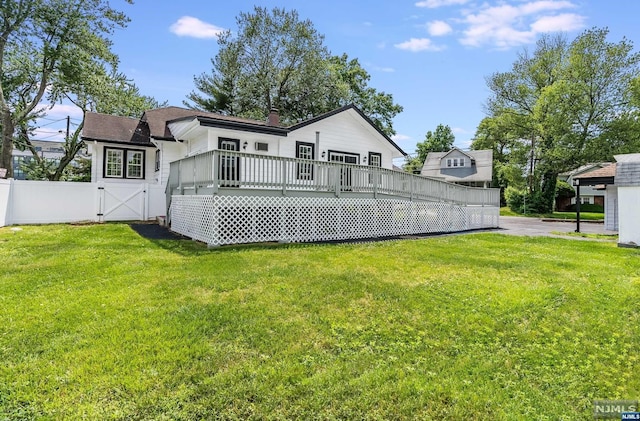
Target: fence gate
{"x":122,"y":202}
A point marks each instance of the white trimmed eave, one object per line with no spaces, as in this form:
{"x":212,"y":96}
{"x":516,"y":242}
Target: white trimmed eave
{"x":395,"y":153}
{"x":185,"y":129}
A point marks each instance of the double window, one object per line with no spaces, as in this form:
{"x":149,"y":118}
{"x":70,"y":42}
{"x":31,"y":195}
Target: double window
{"x":455,"y":162}
{"x":123,"y":163}
{"x":304,"y":150}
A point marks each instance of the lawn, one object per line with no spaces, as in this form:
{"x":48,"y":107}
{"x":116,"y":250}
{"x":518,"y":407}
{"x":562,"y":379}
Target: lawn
{"x":99,"y":323}
{"x":572,"y":216}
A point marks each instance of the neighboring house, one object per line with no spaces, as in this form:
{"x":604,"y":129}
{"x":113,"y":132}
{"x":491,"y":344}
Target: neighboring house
{"x":598,"y":183}
{"x":468,"y":168}
{"x":48,"y":150}
{"x":628,"y":194}
{"x":589,"y":195}
{"x":140,"y":150}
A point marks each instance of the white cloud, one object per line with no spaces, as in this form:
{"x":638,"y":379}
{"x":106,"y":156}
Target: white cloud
{"x":400,"y":137}
{"x":419,"y":44}
{"x":438,"y":28}
{"x":63,"y":110}
{"x":432,"y":4}
{"x":188,"y":26}
{"x":384,"y":69}
{"x":507,"y":25}
{"x":564,"y":22}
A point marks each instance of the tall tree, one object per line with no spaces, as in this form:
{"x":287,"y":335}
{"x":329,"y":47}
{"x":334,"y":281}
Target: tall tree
{"x":440,"y":140}
{"x":352,"y":83}
{"x":100,"y":89}
{"x":277,"y":60}
{"x":564,"y":101}
{"x":42,"y":42}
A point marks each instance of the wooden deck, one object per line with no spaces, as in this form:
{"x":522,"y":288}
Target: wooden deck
{"x":236,"y":173}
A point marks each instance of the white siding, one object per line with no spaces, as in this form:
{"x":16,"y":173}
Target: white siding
{"x":628,"y":205}
{"x":97,"y":162}
{"x":169,"y":151}
{"x":344,"y":132}
{"x":611,"y":209}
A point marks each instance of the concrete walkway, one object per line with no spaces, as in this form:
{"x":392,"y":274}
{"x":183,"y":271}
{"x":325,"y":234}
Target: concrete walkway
{"x":515,"y":225}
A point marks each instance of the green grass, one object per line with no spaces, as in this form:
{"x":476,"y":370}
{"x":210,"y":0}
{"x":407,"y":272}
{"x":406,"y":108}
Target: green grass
{"x":98,"y":323}
{"x":608,"y":237}
{"x":587,"y":216}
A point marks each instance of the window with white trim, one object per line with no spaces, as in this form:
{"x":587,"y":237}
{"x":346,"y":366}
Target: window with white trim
{"x":455,"y":162}
{"x":123,"y":163}
{"x":305,"y":151}
{"x":375,"y":160}
{"x":113,"y":163}
{"x":135,"y":161}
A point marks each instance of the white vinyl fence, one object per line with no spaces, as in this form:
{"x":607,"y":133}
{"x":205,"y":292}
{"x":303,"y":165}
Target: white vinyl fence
{"x":46,"y":202}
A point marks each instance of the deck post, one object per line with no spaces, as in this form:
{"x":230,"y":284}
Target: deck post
{"x":215,"y":165}
{"x":284,"y":176}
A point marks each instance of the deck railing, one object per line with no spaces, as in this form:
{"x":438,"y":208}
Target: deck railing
{"x":228,"y":169}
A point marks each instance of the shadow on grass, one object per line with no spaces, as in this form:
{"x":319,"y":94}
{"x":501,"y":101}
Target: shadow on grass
{"x":177,"y":243}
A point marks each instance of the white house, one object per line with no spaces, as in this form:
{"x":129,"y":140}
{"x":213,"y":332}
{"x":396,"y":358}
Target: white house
{"x":232,"y":180}
{"x":468,"y":168}
{"x":139,"y":150}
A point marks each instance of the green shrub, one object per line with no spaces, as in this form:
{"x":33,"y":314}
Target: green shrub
{"x":564,"y":189}
{"x":522,"y":201}
{"x":588,"y":208}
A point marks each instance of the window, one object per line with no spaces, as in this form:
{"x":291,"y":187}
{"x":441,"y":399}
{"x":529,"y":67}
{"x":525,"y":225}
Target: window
{"x":157,"y":160}
{"x":18,"y":169}
{"x":135,"y":162}
{"x":305,"y":151}
{"x":115,"y":165}
{"x":456,"y":162}
{"x":375,"y":160}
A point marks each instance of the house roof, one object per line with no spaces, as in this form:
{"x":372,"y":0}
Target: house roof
{"x":155,"y":124}
{"x":109,"y":128}
{"x":584,"y":169}
{"x":457,"y":150}
{"x":481,"y":171}
{"x":608,"y":170}
{"x":628,"y":170}
{"x":159,"y":119}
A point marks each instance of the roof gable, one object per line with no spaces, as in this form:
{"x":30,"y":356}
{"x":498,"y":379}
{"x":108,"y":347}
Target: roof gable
{"x":347,"y":108}
{"x":456,"y":150}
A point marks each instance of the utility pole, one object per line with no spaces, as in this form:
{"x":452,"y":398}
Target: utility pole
{"x":66,"y":139}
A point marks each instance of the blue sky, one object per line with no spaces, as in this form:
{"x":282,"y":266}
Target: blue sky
{"x":432,"y":55}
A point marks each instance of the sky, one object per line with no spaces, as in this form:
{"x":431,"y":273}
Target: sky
{"x":432,"y":56}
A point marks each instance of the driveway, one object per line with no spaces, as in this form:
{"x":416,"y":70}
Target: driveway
{"x":514,"y":225}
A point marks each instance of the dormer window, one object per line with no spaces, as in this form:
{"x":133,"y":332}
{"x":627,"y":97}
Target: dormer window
{"x":455,"y":162}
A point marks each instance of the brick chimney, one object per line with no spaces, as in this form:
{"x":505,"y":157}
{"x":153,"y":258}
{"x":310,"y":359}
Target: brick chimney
{"x":274,"y":118}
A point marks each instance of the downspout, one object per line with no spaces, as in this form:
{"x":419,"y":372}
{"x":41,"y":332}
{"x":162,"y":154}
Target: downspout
{"x":318,"y":145}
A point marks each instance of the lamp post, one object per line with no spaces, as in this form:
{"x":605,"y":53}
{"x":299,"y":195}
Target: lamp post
{"x":576,"y":182}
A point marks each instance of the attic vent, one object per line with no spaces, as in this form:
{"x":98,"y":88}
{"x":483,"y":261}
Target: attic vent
{"x":261,"y":146}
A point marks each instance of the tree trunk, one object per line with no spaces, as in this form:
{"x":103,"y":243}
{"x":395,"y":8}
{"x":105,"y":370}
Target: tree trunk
{"x":8,"y":129}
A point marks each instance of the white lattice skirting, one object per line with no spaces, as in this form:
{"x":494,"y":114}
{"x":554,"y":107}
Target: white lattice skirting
{"x":218,"y":220}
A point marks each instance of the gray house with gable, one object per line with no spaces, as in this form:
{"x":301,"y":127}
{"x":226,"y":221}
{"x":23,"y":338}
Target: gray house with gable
{"x":468,"y":168}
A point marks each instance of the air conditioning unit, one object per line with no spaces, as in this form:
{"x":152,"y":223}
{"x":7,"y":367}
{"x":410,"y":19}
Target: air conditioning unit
{"x":261,"y":146}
